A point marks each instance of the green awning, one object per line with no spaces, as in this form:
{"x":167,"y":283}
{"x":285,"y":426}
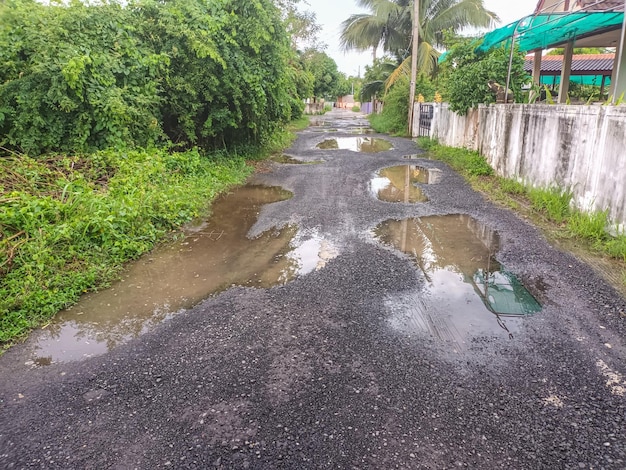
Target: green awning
{"x":548,"y":30}
{"x":594,"y":80}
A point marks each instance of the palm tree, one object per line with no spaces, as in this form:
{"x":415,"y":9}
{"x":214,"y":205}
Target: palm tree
{"x":389,"y":27}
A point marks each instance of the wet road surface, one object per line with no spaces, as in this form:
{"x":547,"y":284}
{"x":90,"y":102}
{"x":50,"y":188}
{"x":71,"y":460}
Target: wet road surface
{"x":439,"y":333}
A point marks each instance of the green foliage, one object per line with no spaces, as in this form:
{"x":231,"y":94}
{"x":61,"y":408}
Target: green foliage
{"x":512,"y":186}
{"x":616,"y":247}
{"x":590,"y":226}
{"x":466,"y":73}
{"x":553,"y":202}
{"x":80,"y":77}
{"x":394,"y":117}
{"x":356,"y":109}
{"x":375,"y":77}
{"x":388,"y":25}
{"x":68,"y":223}
{"x":328,"y":82}
{"x":467,"y":162}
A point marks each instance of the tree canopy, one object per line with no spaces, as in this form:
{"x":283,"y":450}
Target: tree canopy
{"x":79,"y":77}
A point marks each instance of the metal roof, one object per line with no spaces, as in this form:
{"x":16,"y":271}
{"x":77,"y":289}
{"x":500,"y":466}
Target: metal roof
{"x":582,"y":64}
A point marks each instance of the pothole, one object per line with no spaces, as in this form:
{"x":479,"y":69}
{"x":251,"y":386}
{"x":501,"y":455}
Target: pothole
{"x":398,"y":183}
{"x":467,"y":293}
{"x":286,"y":159}
{"x":356,"y":144}
{"x":362,"y":130}
{"x":213,"y":256}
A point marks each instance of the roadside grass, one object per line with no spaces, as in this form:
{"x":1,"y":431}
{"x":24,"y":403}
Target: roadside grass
{"x":550,"y":206}
{"x":386,"y":124}
{"x":68,"y":223}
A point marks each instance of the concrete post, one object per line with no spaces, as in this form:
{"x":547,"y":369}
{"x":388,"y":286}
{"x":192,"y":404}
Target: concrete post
{"x":537,"y":67}
{"x":566,"y":70}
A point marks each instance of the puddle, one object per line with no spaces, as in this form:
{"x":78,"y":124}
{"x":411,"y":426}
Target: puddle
{"x":362,"y":130}
{"x":416,"y":156}
{"x":286,"y":159}
{"x":397,"y":183}
{"x":467,"y":293}
{"x":356,"y":144}
{"x":213,"y":256}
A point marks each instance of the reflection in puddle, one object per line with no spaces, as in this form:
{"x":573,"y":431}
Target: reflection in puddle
{"x":356,"y":144}
{"x":467,"y":292}
{"x":286,"y":159}
{"x":416,"y":156}
{"x":362,"y":130}
{"x":397,"y":183}
{"x":213,"y":256}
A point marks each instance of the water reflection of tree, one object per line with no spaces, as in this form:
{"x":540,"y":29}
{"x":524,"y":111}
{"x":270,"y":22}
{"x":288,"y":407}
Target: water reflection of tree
{"x":402,"y":184}
{"x":457,"y":242}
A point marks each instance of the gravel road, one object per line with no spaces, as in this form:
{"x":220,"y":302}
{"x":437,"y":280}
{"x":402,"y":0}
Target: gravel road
{"x":317,"y":374}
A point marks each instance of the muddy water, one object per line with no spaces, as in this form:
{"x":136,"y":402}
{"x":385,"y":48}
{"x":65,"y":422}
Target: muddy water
{"x":356,"y":144}
{"x":213,"y":256}
{"x":286,"y":159}
{"x":467,"y":294}
{"x":397,"y":183}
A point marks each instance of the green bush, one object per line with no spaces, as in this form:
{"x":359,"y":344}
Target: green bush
{"x":79,"y":77}
{"x":466,"y":73}
{"x":395,"y":114}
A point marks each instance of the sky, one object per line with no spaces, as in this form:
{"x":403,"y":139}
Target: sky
{"x":330,"y":14}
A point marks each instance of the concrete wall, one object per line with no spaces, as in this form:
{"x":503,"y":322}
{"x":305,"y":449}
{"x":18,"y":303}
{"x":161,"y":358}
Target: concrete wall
{"x":580,"y":147}
{"x":314,"y":108}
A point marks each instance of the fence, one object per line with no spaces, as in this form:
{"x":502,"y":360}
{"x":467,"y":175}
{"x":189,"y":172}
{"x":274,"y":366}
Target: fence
{"x":578,"y":147}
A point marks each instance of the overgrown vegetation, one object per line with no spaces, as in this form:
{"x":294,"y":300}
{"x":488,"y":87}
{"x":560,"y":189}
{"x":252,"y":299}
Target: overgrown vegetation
{"x":121,"y":121}
{"x":394,"y":117}
{"x":68,"y":223}
{"x":552,"y":204}
{"x":465,"y":74}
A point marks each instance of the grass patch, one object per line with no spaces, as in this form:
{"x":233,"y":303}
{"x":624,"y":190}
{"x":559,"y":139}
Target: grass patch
{"x":464,"y":161}
{"x":386,"y":124}
{"x":550,"y":205}
{"x":553,"y":202}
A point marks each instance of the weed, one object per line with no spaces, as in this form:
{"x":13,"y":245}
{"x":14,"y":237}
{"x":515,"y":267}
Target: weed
{"x":553,"y":202}
{"x":512,"y":186}
{"x":465,"y":161}
{"x":591,"y":226}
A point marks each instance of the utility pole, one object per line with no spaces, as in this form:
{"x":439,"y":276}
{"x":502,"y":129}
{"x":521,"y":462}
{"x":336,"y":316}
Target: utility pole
{"x":416,"y":29}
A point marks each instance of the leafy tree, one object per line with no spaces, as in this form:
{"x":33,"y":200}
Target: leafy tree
{"x":466,"y":73}
{"x":376,"y":76}
{"x":326,"y":75}
{"x":389,"y":25}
